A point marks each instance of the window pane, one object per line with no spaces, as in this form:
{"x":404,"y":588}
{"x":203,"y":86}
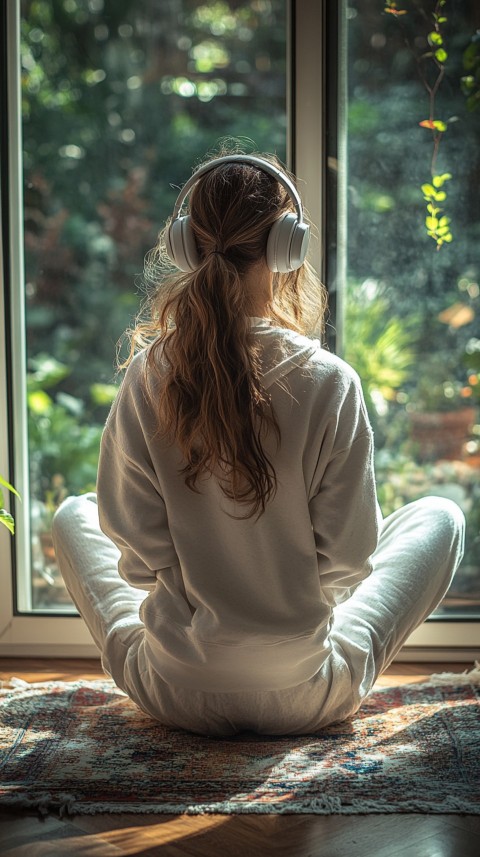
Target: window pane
{"x":120,"y":100}
{"x":411,"y":301}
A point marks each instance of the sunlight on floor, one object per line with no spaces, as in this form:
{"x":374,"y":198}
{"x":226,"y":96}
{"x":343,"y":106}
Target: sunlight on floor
{"x":162,"y":833}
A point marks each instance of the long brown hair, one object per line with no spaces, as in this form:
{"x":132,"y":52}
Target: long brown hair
{"x":210,"y":400}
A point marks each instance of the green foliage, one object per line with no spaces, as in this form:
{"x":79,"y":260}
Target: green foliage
{"x":64,"y":445}
{"x":438,"y":389}
{"x":363,"y":118}
{"x":379,"y":346}
{"x":401,"y":480}
{"x":389,"y":159}
{"x":440,"y":232}
{"x":45,"y":372}
{"x":437,"y":224}
{"x":103,"y":394}
{"x":5,"y":517}
{"x":470,"y":82}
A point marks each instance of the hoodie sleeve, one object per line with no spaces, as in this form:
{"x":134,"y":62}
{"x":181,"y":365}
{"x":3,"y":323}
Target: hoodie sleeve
{"x":344,"y":509}
{"x":131,"y":508}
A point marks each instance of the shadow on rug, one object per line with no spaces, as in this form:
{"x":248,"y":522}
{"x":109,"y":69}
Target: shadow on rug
{"x":83,"y":747}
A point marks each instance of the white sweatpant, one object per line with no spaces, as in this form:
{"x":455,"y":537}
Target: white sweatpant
{"x":419,"y":550}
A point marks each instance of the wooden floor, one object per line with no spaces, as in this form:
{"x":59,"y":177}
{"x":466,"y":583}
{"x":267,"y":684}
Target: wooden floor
{"x":410,"y":835}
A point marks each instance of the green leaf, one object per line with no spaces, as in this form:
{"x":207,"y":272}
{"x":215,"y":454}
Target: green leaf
{"x":47,"y":372}
{"x":468,"y":82}
{"x":438,"y":181}
{"x":39,"y":402}
{"x":428,"y":190}
{"x":7,"y":520}
{"x":431,"y":223}
{"x":72,"y":404}
{"x":444,"y":221}
{"x":440,"y":196}
{"x":473,"y":101}
{"x":441,"y":55}
{"x":103,"y":394}
{"x":434,"y":38}
{"x":10,"y":487}
{"x":439,"y":125}
{"x":442,"y":20}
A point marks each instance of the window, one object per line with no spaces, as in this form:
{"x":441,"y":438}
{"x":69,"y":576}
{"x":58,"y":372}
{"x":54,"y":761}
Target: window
{"x":406,"y":252}
{"x":117,"y":103}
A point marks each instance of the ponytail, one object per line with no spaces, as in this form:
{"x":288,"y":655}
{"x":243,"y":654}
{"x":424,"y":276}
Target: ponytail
{"x":211,"y":396}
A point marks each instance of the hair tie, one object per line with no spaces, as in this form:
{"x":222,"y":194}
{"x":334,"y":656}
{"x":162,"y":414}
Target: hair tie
{"x":218,"y":253}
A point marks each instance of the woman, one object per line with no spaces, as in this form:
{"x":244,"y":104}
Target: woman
{"x":236,"y":488}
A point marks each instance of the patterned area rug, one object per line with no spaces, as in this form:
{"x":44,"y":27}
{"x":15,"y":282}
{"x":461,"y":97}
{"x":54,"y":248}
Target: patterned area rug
{"x":83,"y":747}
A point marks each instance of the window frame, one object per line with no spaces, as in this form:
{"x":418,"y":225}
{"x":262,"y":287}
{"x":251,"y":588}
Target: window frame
{"x":315,"y":102}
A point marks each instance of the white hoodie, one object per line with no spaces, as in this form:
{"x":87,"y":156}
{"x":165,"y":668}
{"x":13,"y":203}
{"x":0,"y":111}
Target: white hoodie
{"x":246,"y":604}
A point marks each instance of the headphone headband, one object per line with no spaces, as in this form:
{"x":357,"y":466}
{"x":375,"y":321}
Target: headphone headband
{"x":287,"y":240}
{"x":264,"y":165}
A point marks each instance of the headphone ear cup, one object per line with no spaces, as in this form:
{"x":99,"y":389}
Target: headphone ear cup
{"x":180,"y":244}
{"x":287,"y":244}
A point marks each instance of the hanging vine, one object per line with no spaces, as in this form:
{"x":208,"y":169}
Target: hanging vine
{"x":437,"y":223}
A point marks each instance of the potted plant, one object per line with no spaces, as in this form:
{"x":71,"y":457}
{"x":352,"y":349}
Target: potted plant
{"x":441,"y":411}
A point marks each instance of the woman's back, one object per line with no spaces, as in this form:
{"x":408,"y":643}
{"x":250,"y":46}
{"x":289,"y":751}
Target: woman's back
{"x":230,"y":594}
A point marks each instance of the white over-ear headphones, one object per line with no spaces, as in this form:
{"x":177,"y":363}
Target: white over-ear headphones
{"x":287,"y":242}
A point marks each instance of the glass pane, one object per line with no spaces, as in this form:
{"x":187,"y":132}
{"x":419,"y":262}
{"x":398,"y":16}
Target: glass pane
{"x":120,"y":100}
{"x":411,"y":300}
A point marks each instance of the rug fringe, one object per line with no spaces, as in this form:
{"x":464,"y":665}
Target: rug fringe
{"x":18,"y":684}
{"x":66,"y":805}
{"x":467,"y":677}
